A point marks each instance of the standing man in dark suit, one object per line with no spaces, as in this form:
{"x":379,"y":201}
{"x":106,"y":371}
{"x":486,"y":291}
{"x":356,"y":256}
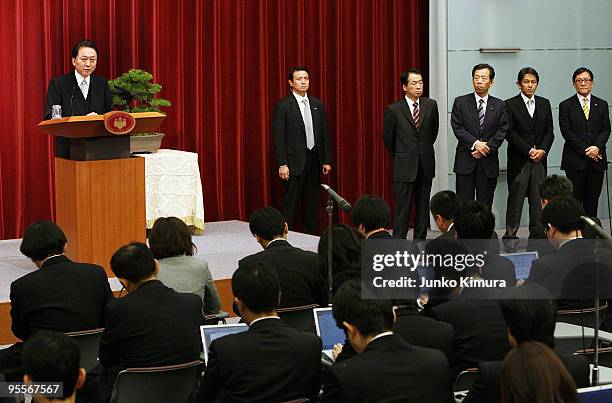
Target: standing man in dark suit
{"x":301,"y":282}
{"x":61,"y":295}
{"x":79,"y":93}
{"x":480,"y":123}
{"x":409,"y":132}
{"x":301,"y":145}
{"x":529,"y":141}
{"x":584,"y":121}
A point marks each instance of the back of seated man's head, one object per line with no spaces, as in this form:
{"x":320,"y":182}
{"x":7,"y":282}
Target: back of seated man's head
{"x":439,"y":253}
{"x":371,"y":212}
{"x":50,"y":356}
{"x":473,"y":220}
{"x":256,"y":288}
{"x":444,"y":204}
{"x":562,"y":214}
{"x":133,"y":262}
{"x":361,"y":318}
{"x":530,"y":313}
{"x":554,"y":186}
{"x":43,"y":239}
{"x":268,"y":223}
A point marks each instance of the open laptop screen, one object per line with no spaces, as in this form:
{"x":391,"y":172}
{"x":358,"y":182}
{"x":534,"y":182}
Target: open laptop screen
{"x":326,"y":327}
{"x":213,"y":332}
{"x":595,"y":394}
{"x":522,"y":263}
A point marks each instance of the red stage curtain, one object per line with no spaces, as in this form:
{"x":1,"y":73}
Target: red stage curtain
{"x":223,"y":64}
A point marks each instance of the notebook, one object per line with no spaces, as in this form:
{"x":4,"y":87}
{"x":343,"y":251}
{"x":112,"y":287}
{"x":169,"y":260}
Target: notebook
{"x":213,"y":332}
{"x":327,"y":330}
{"x":522,"y":263}
{"x":595,"y":394}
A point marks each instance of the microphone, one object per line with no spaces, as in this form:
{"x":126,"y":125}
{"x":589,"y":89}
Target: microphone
{"x":598,"y":230}
{"x":343,"y":204}
{"x":71,"y":98}
{"x":124,"y":93}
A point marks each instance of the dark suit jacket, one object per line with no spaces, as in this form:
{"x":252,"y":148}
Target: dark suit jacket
{"x":405,"y":142}
{"x":527,"y":132}
{"x":487,"y":385}
{"x":65,"y":91}
{"x":152,"y":326}
{"x":270,"y":362}
{"x":289,"y":133}
{"x":464,"y":121}
{"x":390,"y":370}
{"x":298,"y":272}
{"x":480,"y":329}
{"x":580,"y":133}
{"x":420,"y":330}
{"x":62,"y":295}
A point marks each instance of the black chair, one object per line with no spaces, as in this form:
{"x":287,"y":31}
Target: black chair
{"x":89,"y":342}
{"x":299,"y":317}
{"x":605,"y":355}
{"x":465,"y":380}
{"x":172,"y":383}
{"x":582,"y":316}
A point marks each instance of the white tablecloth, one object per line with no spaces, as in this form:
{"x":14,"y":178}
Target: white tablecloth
{"x":174,"y":188}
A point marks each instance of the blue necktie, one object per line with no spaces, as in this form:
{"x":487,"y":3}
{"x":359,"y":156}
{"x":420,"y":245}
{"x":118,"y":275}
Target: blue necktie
{"x":481,"y":113}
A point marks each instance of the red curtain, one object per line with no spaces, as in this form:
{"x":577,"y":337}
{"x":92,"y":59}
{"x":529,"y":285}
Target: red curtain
{"x":223,"y":64}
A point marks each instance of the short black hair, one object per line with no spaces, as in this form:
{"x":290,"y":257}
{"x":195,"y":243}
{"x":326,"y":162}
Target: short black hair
{"x":530,"y":313}
{"x":51,"y":356}
{"x":481,"y":66}
{"x":581,"y":70}
{"x":405,"y":74}
{"x":133,"y":262}
{"x":267,"y":223}
{"x":527,"y":70}
{"x":294,"y":69}
{"x":445,"y":204}
{"x":369,"y":316}
{"x":372,"y":212}
{"x":346,"y":247}
{"x":83,"y":43}
{"x":554,"y":186}
{"x":257,"y":286}
{"x":473,"y":220}
{"x":42,"y":239}
{"x":564,"y":213}
{"x":170,"y":237}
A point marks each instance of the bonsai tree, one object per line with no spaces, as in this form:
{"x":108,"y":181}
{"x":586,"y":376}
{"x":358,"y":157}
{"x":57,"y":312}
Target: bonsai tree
{"x":134,"y":92}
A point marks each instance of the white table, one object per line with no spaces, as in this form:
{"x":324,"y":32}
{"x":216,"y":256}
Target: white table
{"x":174,"y":187}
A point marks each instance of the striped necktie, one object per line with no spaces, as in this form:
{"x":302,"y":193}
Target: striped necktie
{"x":585,"y":108}
{"x":415,"y":114}
{"x":481,"y":113}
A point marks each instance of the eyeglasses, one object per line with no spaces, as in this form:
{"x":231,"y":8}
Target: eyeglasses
{"x":582,"y":80}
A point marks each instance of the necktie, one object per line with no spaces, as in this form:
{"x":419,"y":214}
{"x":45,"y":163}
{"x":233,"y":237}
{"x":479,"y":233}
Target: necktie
{"x":481,"y":113}
{"x":585,"y":108}
{"x":415,"y":114}
{"x":310,"y":140}
{"x":84,"y":88}
{"x":530,"y":107}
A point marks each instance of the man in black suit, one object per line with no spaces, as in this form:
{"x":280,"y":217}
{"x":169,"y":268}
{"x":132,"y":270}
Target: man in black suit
{"x":443,"y":206}
{"x":409,"y":132}
{"x":584,"y":121}
{"x":480,"y":123}
{"x":298,"y":270}
{"x":153,"y":325}
{"x":271,"y":362}
{"x":79,"y":93}
{"x":530,"y":314}
{"x":403,"y":372}
{"x":529,"y":141}
{"x":301,"y":145}
{"x":61,"y":295}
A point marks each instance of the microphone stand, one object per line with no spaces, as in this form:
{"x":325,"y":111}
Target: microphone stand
{"x":330,"y":212}
{"x":608,"y":197}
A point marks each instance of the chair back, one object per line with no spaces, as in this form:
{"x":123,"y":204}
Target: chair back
{"x":89,"y":344}
{"x":583,"y":316}
{"x":465,"y":379}
{"x":216,"y":318}
{"x":172,"y":383}
{"x":604,"y":358}
{"x":299,"y":317}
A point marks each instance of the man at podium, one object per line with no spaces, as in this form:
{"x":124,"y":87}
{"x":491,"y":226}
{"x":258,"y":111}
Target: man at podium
{"x":78,"y":93}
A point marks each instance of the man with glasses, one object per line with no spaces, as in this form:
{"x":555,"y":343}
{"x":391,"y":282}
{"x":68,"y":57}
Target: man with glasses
{"x":585,"y":125}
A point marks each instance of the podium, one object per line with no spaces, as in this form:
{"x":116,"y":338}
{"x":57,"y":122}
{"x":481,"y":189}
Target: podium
{"x":100,"y":188}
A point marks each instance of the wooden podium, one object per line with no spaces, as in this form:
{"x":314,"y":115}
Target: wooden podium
{"x":100,"y":189}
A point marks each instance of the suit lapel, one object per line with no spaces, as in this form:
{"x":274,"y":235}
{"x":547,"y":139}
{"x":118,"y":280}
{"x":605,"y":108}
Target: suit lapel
{"x":525,"y":113}
{"x":594,"y":107}
{"x":406,"y":110}
{"x":491,"y":109}
{"x":578,"y":107}
{"x":295,"y":108}
{"x":424,"y":107}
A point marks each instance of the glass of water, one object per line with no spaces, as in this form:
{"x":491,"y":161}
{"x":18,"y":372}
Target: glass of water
{"x":56,"y":112}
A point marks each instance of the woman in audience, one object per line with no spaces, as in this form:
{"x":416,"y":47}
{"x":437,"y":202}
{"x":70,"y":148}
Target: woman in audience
{"x":346,"y":256}
{"x":170,"y":243}
{"x":532,"y":373}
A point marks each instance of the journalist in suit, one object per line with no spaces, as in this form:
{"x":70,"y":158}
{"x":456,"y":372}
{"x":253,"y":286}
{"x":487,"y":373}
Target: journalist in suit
{"x":584,"y":121}
{"x":410,"y":129}
{"x":301,"y":147}
{"x":529,"y":141}
{"x":480,"y":123}
{"x":79,"y":93}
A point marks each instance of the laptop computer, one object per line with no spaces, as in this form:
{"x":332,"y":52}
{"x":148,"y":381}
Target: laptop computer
{"x":327,"y":330}
{"x":595,"y":394}
{"x":522,"y":263}
{"x":213,"y":332}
